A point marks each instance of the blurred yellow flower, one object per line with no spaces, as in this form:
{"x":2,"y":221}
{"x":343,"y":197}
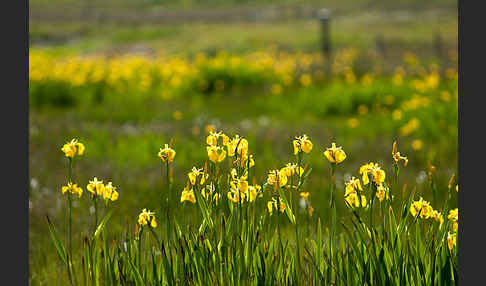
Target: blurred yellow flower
{"x":195,"y":173}
{"x":367,"y":79}
{"x":453,"y":214}
{"x":362,"y":109}
{"x":72,"y":188}
{"x":188,"y":195}
{"x":96,"y":187}
{"x":109,"y":192}
{"x":304,"y":195}
{"x":237,"y":144}
{"x":311,"y":210}
{"x":302,"y":143}
{"x":445,"y":96}
{"x":352,"y":186}
{"x":274,"y":204}
{"x":177,"y":115}
{"x":374,"y":170}
{"x":305,"y":79}
{"x":210,"y":128}
{"x":382,"y":193}
{"x":417,"y":144}
{"x":437,"y":216}
{"x":209,"y":191}
{"x":277,"y":178}
{"x":73,"y":148}
{"x":421,"y":207}
{"x":389,"y":99}
{"x":451,"y":240}
{"x":167,"y":154}
{"x":216,"y":153}
{"x":353,"y":122}
{"x":410,"y":127}
{"x":335,"y":154}
{"x":397,"y":114}
{"x":352,"y":200}
{"x":213,"y":136}
{"x":145,"y":217}
{"x":291,"y":169}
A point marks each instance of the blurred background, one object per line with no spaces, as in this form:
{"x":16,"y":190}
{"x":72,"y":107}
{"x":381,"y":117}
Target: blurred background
{"x":127,"y":76}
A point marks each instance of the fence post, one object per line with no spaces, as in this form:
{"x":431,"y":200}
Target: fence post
{"x":324,"y":18}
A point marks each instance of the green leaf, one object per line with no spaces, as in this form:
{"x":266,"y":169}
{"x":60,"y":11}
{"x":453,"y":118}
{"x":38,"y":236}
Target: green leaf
{"x":57,"y":242}
{"x":102,"y":224}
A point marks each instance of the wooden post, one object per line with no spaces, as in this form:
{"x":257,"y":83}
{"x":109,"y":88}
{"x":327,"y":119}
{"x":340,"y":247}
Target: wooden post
{"x":325,"y":17}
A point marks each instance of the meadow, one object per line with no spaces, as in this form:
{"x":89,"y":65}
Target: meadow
{"x":124,"y":105}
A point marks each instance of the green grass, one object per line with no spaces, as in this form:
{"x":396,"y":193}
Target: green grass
{"x":415,"y":31}
{"x":123,"y":137}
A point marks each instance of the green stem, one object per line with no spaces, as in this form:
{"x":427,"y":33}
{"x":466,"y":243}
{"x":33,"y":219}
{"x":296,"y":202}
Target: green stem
{"x":95,"y":200}
{"x":69,"y":208}
{"x":371,"y":204}
{"x":299,"y":163}
{"x":331,"y":187}
{"x":278,"y":226}
{"x":140,"y":247}
{"x":168,"y":204}
{"x":333,"y":218}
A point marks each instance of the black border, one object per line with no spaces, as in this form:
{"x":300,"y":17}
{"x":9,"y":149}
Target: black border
{"x":15,"y":143}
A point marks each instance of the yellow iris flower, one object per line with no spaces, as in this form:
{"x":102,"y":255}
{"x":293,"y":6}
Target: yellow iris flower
{"x":73,"y":148}
{"x":454,"y":217}
{"x":277,"y":178}
{"x":396,"y":155}
{"x":72,"y":188}
{"x":194,"y":175}
{"x":188,"y":195}
{"x":335,"y":154}
{"x":451,"y":240}
{"x":351,"y":193}
{"x":304,"y":195}
{"x":145,"y":217}
{"x":96,"y":187}
{"x":237,"y":144}
{"x":167,"y":153}
{"x":353,"y":186}
{"x":212,"y":139}
{"x":273,"y":204}
{"x":374,"y":170}
{"x":302,"y":143}
{"x":216,"y":153}
{"x":291,"y":169}
{"x":208,"y":192}
{"x":437,"y":216}
{"x":353,"y":200}
{"x":382,"y":193}
{"x":109,"y":192}
{"x":423,"y":207}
